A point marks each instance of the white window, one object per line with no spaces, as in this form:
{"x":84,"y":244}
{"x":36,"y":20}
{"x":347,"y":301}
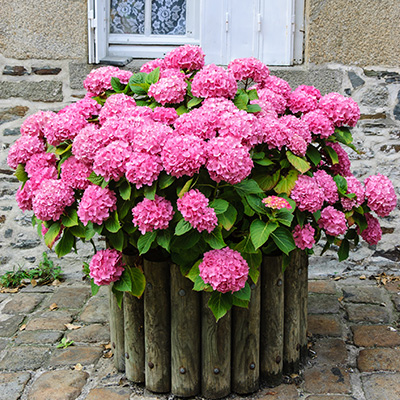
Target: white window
{"x":271,"y":30}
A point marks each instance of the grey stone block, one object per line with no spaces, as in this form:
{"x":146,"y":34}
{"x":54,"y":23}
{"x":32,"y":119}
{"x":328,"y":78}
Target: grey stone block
{"x":326,"y":80}
{"x":46,"y":91}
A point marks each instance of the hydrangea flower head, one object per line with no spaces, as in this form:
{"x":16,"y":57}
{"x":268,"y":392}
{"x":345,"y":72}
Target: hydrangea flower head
{"x":187,"y":57}
{"x":34,"y":124}
{"x":333,"y":221}
{"x":279,"y":103}
{"x":356,"y":187}
{"x":96,"y":205}
{"x":373,"y":233}
{"x":99,"y":80}
{"x":106,"y":266}
{"x":304,"y":236}
{"x":143,"y":169}
{"x":51,"y":199}
{"x":152,"y":65}
{"x":278,"y":86}
{"x":276,"y":203}
{"x":341,"y":110}
{"x":307,"y":194}
{"x":170,"y":90}
{"x":149,"y":215}
{"x":343,"y":166}
{"x":23,"y":149}
{"x":319,"y":123}
{"x":193,"y":207}
{"x":228,"y":160}
{"x":304,"y":99}
{"x":225,"y":270}
{"x":115,"y":105}
{"x":380,"y":194}
{"x":165,"y":115}
{"x":214,"y":81}
{"x":328,"y":186}
{"x":249,"y":68}
{"x":183,"y":155}
{"x":110,"y":161}
{"x":75,"y":173}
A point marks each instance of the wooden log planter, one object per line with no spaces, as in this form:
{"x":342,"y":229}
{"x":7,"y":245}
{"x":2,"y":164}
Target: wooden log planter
{"x":169,"y":339}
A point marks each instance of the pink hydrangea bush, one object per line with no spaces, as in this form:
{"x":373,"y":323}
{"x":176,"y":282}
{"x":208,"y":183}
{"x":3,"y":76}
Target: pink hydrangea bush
{"x":207,"y":165}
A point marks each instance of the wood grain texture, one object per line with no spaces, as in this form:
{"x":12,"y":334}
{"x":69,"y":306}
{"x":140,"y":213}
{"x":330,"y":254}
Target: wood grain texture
{"x":291,"y":345}
{"x":304,"y":307}
{"x":185,"y":335}
{"x":117,"y":332}
{"x":134,"y":338}
{"x":272,"y":320}
{"x":157,"y":326}
{"x":216,"y":353}
{"x":246,"y":344}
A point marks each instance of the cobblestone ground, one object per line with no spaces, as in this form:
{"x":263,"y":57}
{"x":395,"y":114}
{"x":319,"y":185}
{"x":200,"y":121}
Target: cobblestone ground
{"x":354,"y":326}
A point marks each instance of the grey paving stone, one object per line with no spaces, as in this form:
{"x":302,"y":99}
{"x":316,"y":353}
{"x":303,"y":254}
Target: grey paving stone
{"x":327,"y":379}
{"x":10,"y":325}
{"x":54,"y":320}
{"x":381,"y":359}
{"x":95,"y":333}
{"x":23,"y":303}
{"x":382,"y":386}
{"x":97,"y":309}
{"x":323,"y":304}
{"x":24,"y":358}
{"x":58,"y":385}
{"x":12,"y":384}
{"x":70,"y":297}
{"x":75,"y":354}
{"x":331,"y":351}
{"x":117,"y":393}
{"x":368,"y":313}
{"x":374,"y":295}
{"x":38,"y":337}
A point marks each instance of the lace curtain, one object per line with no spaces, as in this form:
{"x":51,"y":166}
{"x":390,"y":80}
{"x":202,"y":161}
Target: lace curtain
{"x":168,"y":17}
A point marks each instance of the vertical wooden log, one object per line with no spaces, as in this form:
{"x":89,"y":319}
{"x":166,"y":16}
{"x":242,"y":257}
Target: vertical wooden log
{"x":246,"y":345}
{"x":134,"y":338}
{"x":157,"y":327}
{"x":216,"y":352}
{"x":117,"y":331}
{"x":272,"y":320}
{"x":185,"y":336}
{"x":291,"y":348}
{"x":304,"y":306}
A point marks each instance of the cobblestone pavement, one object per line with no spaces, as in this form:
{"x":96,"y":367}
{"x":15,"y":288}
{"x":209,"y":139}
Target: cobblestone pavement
{"x":354,"y":325}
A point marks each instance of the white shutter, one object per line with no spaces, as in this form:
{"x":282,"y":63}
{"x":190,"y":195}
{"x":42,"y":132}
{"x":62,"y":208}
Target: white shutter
{"x":97,"y":30}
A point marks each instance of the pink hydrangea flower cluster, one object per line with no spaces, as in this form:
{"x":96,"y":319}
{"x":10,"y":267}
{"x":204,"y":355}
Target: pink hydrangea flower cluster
{"x":96,"y":204}
{"x":194,"y":207}
{"x":110,"y":161}
{"x":333,"y":221}
{"x":99,"y":80}
{"x":87,"y":107}
{"x":278,"y":102}
{"x":51,"y":199}
{"x":276,"y":203}
{"x":319,"y":124}
{"x":225,"y":270}
{"x":307,"y":194}
{"x":341,"y":110}
{"x":356,"y":187}
{"x":214,"y":81}
{"x":188,"y":57}
{"x":106,"y":266}
{"x":23,"y":149}
{"x":278,"y":86}
{"x":304,"y":236}
{"x":183,"y":155}
{"x":328,"y":186}
{"x":39,"y":161}
{"x":380,"y":194}
{"x":304,"y":99}
{"x":149,"y":215}
{"x":373,"y":233}
{"x":249,"y":68}
{"x":151,"y":138}
{"x":115,"y":105}
{"x":343,"y":166}
{"x":152,"y":65}
{"x":75,"y":173}
{"x":64,"y":126}
{"x":34,"y":124}
{"x":143,"y":169}
{"x":228,"y":160}
{"x":168,"y":90}
{"x":165,"y":115}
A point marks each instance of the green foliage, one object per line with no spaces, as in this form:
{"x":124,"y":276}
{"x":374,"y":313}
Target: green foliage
{"x":14,"y":278}
{"x":64,"y":343}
